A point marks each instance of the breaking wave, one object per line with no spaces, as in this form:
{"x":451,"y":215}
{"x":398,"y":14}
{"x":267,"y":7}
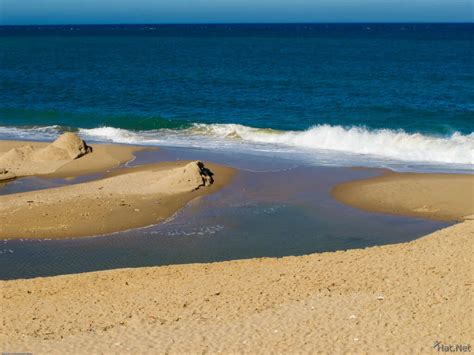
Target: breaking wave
{"x":383,"y":143}
{"x":398,"y":145}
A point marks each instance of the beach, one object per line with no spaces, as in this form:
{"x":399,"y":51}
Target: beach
{"x":395,"y":298}
{"x":210,"y":186}
{"x":102,"y":158}
{"x":398,"y":298}
{"x":124,"y":199}
{"x":405,"y":194}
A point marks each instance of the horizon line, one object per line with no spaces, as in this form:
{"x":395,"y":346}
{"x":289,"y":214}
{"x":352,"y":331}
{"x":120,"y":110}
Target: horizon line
{"x":242,"y":23}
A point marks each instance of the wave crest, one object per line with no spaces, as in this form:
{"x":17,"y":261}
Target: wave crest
{"x":398,"y":145}
{"x":316,"y":142}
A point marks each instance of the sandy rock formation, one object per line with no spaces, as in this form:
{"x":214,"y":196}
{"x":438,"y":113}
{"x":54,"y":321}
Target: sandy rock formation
{"x":72,"y":144}
{"x":6,"y":175}
{"x":16,"y":155}
{"x":190,"y":177}
{"x":67,"y":147}
{"x":27,"y":160}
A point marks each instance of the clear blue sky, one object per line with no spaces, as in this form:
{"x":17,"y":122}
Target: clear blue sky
{"x":221,"y":11}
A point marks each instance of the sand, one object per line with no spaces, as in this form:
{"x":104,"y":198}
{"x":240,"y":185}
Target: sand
{"x":400,"y":298}
{"x":28,"y":160}
{"x":447,"y":197}
{"x":390,"y":299}
{"x":127,"y":199}
{"x":103,"y":157}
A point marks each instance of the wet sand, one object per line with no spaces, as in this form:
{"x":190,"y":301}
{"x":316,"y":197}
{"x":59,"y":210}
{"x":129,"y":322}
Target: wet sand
{"x":128,"y":198}
{"x":125,"y":199}
{"x":447,"y":197}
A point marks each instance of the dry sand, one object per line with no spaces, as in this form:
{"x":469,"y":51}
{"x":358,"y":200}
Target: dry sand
{"x":437,"y":196}
{"x":29,"y":160}
{"x":129,"y":198}
{"x":391,"y":299}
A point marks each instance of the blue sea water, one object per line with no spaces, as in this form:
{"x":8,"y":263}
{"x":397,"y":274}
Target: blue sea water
{"x":398,"y":95}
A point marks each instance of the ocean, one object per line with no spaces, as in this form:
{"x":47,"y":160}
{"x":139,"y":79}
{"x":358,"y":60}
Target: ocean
{"x":290,"y":107}
{"x":385,"y":95}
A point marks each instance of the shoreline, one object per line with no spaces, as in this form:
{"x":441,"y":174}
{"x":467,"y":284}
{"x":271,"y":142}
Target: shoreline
{"x":392,"y":298}
{"x":360,"y":300}
{"x":120,"y":200}
{"x":102,"y":158}
{"x":125,"y":199}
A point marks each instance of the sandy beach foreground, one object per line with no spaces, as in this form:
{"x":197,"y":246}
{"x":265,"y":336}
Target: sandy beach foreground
{"x":399,"y":298}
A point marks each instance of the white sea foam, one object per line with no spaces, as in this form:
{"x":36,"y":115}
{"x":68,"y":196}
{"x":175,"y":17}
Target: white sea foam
{"x":119,"y":135}
{"x":30,"y":133}
{"x":322,"y":142}
{"x":398,"y":145}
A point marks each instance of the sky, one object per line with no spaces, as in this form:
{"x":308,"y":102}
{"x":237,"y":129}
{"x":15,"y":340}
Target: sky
{"x":22,"y":12}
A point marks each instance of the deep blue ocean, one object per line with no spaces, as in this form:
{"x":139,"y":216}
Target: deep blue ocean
{"x":338,"y":94}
